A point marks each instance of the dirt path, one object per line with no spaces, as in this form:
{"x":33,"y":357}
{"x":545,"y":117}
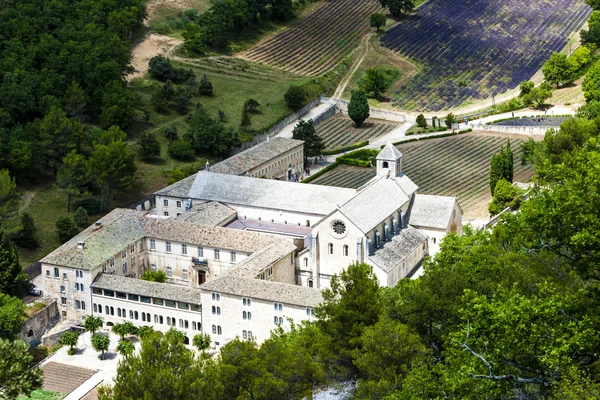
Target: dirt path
{"x":363,"y":50}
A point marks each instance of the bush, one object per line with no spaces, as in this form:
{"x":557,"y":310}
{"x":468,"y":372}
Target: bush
{"x":421,"y":121}
{"x":154,"y":276}
{"x":66,"y":228}
{"x":170,"y":132}
{"x":449,"y":120}
{"x":149,"y":146}
{"x":81,"y":217}
{"x":295,"y":97}
{"x":91,"y":205}
{"x":182,"y":150}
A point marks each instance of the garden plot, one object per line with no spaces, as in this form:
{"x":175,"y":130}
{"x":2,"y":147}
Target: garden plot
{"x":474,"y":49}
{"x":338,"y":131}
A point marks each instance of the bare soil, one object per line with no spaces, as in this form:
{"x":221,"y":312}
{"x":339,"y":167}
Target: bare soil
{"x":149,"y":47}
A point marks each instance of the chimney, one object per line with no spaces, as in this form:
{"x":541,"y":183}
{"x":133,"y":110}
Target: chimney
{"x":81,"y":245}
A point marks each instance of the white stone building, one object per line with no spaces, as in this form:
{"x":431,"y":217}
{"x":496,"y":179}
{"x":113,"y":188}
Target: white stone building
{"x":244,"y":255}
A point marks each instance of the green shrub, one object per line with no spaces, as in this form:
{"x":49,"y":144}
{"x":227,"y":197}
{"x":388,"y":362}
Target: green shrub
{"x":66,"y":228}
{"x":295,"y":97}
{"x":182,"y":150}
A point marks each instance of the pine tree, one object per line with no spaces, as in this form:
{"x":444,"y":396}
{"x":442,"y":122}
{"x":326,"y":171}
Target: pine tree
{"x":26,"y":235}
{"x":12,"y":278}
{"x":358,"y":109}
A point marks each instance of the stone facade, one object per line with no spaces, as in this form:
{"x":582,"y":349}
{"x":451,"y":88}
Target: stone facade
{"x":39,"y":323}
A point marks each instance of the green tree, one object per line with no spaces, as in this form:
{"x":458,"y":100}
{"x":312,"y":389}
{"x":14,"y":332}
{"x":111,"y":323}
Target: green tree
{"x":383,"y":364}
{"x":16,"y":373}
{"x":182,"y":150}
{"x":421,"y":121}
{"x":537,"y":95}
{"x":125,"y":348}
{"x":295,"y":97}
{"x":73,"y":175}
{"x":350,"y":305}
{"x":581,"y":56}
{"x":501,"y":166}
{"x":154,"y":276}
{"x":12,"y":315}
{"x":397,"y":7}
{"x":118,"y":105}
{"x":8,"y":194}
{"x":591,"y":83}
{"x":75,"y":101}
{"x":313,"y":144}
{"x":100,"y":343}
{"x":526,"y":87}
{"x":559,"y":70}
{"x":159,"y":101}
{"x":25,"y":237}
{"x":59,"y":135}
{"x":378,"y":20}
{"x":112,"y":162}
{"x":81,"y":217}
{"x":123,"y":329}
{"x":449,"y":120}
{"x":201,"y":341}
{"x":149,"y":146}
{"x":66,"y":228}
{"x":165,"y":368}
{"x":70,"y":338}
{"x":183,"y":96}
{"x":170,"y":132}
{"x":210,"y":135}
{"x":358,"y":109}
{"x":245,"y":122}
{"x":205,"y":87}
{"x":505,"y":195}
{"x":92,"y":324}
{"x":12,"y":278}
{"x":145,"y":331}
{"x":374,"y":82}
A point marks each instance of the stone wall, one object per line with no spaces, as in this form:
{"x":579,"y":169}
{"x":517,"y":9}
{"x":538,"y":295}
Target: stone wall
{"x":41,"y":322}
{"x":516,"y":130}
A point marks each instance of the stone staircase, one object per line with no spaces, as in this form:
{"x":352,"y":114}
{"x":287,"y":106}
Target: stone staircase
{"x":64,"y":378}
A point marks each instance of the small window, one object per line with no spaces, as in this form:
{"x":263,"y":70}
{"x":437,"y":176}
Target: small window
{"x":132,"y":249}
{"x":184,"y":249}
{"x":195,"y":307}
{"x":169,"y":272}
{"x":112,"y":261}
{"x":145,"y":299}
{"x":170,"y":303}
{"x":183,"y":306}
{"x":120,"y":295}
{"x":184,"y":275}
{"x":109,"y":293}
{"x":48,"y":272}
{"x":96,"y":291}
{"x":178,"y":204}
{"x":433,"y":240}
{"x":133,"y":297}
{"x":249,"y":315}
{"x":346,"y":250}
{"x":56,"y":273}
{"x":118,"y":312}
{"x":136,"y":315}
{"x":152,"y":244}
{"x":153,"y":267}
{"x":193,"y":325}
{"x":233,"y":256}
{"x":95,"y":307}
{"x":216,"y":296}
{"x":249,"y":334}
{"x":280,"y":320}
{"x":219,"y":331}
{"x":244,"y":315}
{"x":125,"y":268}
{"x":214,"y":329}
{"x":124,"y":254}
{"x":200,"y":252}
{"x":159,"y":302}
{"x":330,"y":248}
{"x":78,"y":304}
{"x":83,"y":305}
{"x":217,"y":255}
{"x":130,"y":314}
{"x":166,"y":213}
{"x":62,"y":289}
{"x":168,"y":247}
{"x":65,"y":278}
{"x":306,"y":261}
{"x":244,"y":335}
{"x":100,"y":308}
{"x":166,"y":203}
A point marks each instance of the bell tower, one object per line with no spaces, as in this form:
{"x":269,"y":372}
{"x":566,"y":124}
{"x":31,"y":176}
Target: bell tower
{"x":389,"y":159}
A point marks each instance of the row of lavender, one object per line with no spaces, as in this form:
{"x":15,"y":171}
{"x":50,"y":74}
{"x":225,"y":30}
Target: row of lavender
{"x":479,"y":48}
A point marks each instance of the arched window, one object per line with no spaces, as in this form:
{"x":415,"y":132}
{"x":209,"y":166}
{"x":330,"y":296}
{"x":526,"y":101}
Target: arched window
{"x":214,"y":309}
{"x":245,"y":334}
{"x":100,"y":308}
{"x":214,"y":329}
{"x":83,"y":305}
{"x":306,"y":261}
{"x":346,"y":250}
{"x":249,"y":315}
{"x":244,"y":315}
{"x":137,"y":316}
{"x":219,"y":331}
{"x":385,"y":164}
{"x":330,"y":246}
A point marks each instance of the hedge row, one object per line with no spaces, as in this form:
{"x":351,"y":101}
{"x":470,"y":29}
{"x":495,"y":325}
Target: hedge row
{"x":427,"y":131}
{"x":339,"y":150}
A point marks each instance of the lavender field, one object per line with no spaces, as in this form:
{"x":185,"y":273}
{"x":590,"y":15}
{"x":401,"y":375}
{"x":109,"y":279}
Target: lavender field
{"x":478,"y":48}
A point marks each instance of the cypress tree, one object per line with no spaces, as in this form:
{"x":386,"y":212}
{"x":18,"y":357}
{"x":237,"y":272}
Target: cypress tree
{"x":358,"y":109}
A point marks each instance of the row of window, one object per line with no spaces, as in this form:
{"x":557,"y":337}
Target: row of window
{"x":285,"y":222}
{"x":267,"y":272}
{"x":135,"y":315}
{"x":184,"y":250}
{"x":78,"y":274}
{"x":247,"y":334}
{"x":148,"y":300}
{"x":330,"y":251}
{"x":78,"y":288}
{"x":216,"y":330}
{"x":166,"y":203}
{"x":79,"y":305}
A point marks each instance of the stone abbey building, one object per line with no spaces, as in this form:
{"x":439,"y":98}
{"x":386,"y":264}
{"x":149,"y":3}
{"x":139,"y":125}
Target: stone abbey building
{"x":242,"y":254}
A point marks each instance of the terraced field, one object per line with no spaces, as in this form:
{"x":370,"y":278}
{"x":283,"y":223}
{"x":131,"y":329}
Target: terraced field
{"x":319,"y":41}
{"x":479,"y":48}
{"x":452,"y":166}
{"x":339,"y":131}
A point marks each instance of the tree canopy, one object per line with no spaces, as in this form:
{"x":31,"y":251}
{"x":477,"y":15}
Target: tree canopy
{"x":313,"y":144}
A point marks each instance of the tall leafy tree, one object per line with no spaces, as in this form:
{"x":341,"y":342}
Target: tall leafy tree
{"x":313,"y":144}
{"x":12,"y":278}
{"x":559,"y":70}
{"x":377,"y":20}
{"x":101,"y":343}
{"x":358,"y":109}
{"x":73,"y":175}
{"x":374,"y":82}
{"x":397,"y":7}
{"x":149,"y":146}
{"x":92,"y":324}
{"x":12,"y":315}
{"x":112,"y":161}
{"x":16,"y":373}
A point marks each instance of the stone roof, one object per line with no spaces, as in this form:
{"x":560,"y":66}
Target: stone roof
{"x":389,"y":153}
{"x":271,"y":227}
{"x":208,"y":214}
{"x":252,"y":265}
{"x":268,"y":193}
{"x":178,"y":189}
{"x":255,"y":156}
{"x":375,"y":203}
{"x":407,"y":185}
{"x":119,"y":229}
{"x":432,"y":211}
{"x":167,"y":291}
{"x":265,"y":290}
{"x":395,"y":251}
{"x":218,"y":237}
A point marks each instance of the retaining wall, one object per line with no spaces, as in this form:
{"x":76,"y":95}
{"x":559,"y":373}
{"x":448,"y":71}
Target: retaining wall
{"x":517,"y":130}
{"x":376,"y":113}
{"x":41,"y":322}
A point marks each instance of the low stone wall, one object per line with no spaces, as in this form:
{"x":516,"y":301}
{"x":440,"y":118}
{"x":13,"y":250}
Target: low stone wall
{"x":41,"y":322}
{"x":376,"y":113}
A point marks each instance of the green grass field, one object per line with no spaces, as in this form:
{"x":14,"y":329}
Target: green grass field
{"x":340,"y":131}
{"x":452,"y":166}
